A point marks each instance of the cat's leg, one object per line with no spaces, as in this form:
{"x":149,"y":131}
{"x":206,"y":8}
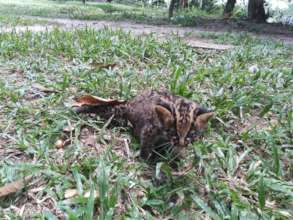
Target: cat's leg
{"x":145,"y":152}
{"x":147,"y":136}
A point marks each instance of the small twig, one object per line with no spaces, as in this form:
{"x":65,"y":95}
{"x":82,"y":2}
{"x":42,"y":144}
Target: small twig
{"x":222,"y":122}
{"x":102,"y":131}
{"x":126,"y":147}
{"x":183,"y":172}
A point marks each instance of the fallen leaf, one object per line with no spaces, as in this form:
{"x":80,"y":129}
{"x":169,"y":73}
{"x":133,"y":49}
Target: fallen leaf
{"x":207,"y":45}
{"x":183,"y":172}
{"x":103,"y":65}
{"x":87,"y":194}
{"x":69,"y":193}
{"x":14,"y":186}
{"x":43,"y":88}
{"x":94,"y":100}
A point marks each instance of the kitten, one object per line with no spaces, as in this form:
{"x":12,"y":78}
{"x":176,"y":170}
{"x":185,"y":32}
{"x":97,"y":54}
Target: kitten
{"x":157,"y":117}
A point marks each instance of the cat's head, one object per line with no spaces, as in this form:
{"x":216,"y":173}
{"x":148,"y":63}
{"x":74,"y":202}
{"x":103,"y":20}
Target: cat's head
{"x":185,"y":121}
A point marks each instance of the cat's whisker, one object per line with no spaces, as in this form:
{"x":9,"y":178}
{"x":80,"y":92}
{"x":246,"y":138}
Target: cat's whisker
{"x":159,"y":154}
{"x":163,"y":145}
{"x":174,"y":153}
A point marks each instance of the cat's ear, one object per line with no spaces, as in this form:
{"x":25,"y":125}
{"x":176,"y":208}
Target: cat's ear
{"x":165,"y":116}
{"x":202,"y":117}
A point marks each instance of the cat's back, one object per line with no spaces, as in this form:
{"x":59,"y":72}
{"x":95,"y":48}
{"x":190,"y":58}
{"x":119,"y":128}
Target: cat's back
{"x":140,"y":110}
{"x":152,"y":97}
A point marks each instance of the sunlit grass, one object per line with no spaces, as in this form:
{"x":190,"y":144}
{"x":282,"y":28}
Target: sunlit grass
{"x":76,"y":10}
{"x":15,"y":20}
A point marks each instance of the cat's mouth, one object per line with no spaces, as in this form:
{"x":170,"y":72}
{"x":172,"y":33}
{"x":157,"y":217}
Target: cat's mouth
{"x":176,"y":142}
{"x":191,"y":137}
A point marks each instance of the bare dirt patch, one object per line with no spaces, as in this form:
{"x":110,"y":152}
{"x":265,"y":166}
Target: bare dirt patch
{"x":161,"y":32}
{"x":274,"y":31}
{"x":258,"y":123}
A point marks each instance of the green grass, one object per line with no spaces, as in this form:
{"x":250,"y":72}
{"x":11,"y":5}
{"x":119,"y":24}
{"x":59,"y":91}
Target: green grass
{"x":242,"y":169}
{"x":194,"y":16}
{"x":17,"y":20}
{"x":76,"y":10}
{"x":102,"y":11}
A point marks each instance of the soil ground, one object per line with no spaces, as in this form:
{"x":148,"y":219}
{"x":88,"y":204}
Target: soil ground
{"x":191,"y":35}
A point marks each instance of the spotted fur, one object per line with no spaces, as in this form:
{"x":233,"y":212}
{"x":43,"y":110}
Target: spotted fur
{"x":159,"y":118}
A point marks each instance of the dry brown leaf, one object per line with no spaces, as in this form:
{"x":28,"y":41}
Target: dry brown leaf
{"x":87,"y":194}
{"x":43,"y":88}
{"x":94,"y":100}
{"x":69,"y":193}
{"x":103,"y":65}
{"x":14,"y":186}
{"x":207,"y":45}
{"x":183,"y":172}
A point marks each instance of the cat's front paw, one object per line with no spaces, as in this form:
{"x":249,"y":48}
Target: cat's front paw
{"x":145,"y":153}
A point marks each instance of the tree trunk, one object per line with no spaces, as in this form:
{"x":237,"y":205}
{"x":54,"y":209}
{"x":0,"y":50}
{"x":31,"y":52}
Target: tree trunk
{"x":171,"y":8}
{"x":229,"y":8}
{"x":184,"y":3}
{"x":83,"y":1}
{"x":256,"y":10}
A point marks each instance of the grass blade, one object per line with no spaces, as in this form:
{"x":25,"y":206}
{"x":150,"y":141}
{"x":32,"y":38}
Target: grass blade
{"x":261,"y":193}
{"x":205,"y":207}
{"x":90,"y":204}
{"x":276,"y":159}
{"x":77,"y":178}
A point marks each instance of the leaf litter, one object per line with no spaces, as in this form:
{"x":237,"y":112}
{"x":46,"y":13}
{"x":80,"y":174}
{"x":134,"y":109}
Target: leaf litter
{"x":14,"y":186}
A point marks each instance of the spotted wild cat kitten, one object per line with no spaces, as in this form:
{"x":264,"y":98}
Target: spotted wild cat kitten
{"x":157,"y":117}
